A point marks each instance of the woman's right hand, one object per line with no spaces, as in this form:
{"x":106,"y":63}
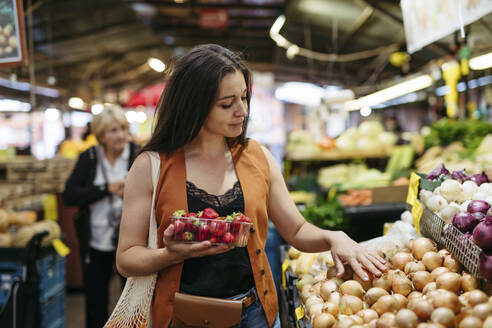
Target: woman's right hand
{"x":182,"y":251}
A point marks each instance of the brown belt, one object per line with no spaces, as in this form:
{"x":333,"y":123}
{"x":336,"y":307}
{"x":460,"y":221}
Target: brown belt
{"x":248,"y":300}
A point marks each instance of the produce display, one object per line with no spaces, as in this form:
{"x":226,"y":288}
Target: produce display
{"x":352,"y":176}
{"x":424,"y":287}
{"x":208,"y":225}
{"x":17,"y":228}
{"x":369,"y":139}
{"x":325,"y":214}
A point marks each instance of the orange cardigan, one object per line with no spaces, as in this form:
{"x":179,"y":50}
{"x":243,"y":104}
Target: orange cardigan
{"x":253,"y":171}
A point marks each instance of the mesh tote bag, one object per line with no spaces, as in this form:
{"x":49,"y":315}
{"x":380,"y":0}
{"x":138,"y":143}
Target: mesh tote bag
{"x":133,"y":307}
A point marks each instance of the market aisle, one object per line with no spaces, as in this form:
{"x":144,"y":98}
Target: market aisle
{"x":75,"y":305}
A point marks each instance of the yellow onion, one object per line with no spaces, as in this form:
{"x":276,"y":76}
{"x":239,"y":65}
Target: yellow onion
{"x":386,"y":303}
{"x":368,"y":315}
{"x":401,"y":284}
{"x":387,"y":320}
{"x":438,"y":271}
{"x":317,"y":288}
{"x":352,"y":287}
{"x":470,"y":322}
{"x":313,"y":299}
{"x":373,"y":294}
{"x":429,"y":287}
{"x":331,"y":308}
{"x":432,"y":260}
{"x":445,"y":298}
{"x":350,"y":304}
{"x":482,"y":311}
{"x":422,"y":245}
{"x":400,"y":260}
{"x":383,"y":282}
{"x":306,"y":292}
{"x":420,"y":279}
{"x":468,"y":282}
{"x":444,"y":252}
{"x":444,"y":316}
{"x":334,"y":298}
{"x":423,"y":309}
{"x":324,"y":320}
{"x":414,"y":267}
{"x":415,"y":295}
{"x":488,"y":323}
{"x":401,"y":300}
{"x":452,"y":263}
{"x":406,"y":319}
{"x":327,"y":287}
{"x":356,"y":319}
{"x":314,"y":309}
{"x":365,"y":284}
{"x":476,"y":297}
{"x":449,"y":281}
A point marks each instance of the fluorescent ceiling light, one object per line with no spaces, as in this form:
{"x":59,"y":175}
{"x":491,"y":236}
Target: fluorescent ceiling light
{"x":11,"y":105}
{"x":51,"y":114}
{"x":306,"y":94}
{"x":395,"y":91}
{"x":96,"y":109}
{"x":156,"y":64}
{"x":76,"y":102}
{"x":481,"y":62}
{"x":24,"y":86}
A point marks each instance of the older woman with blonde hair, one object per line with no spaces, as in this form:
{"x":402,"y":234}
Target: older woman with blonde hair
{"x":96,"y":188}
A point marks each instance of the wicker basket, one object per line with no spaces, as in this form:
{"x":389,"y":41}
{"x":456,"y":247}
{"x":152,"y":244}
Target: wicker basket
{"x":465,"y":251}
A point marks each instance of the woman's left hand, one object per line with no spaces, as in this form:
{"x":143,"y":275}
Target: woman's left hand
{"x":346,"y":250}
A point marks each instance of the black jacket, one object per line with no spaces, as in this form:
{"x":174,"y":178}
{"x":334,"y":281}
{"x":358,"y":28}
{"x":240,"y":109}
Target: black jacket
{"x":80,"y":190}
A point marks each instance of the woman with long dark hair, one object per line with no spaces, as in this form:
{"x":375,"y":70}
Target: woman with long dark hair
{"x":206,"y":161}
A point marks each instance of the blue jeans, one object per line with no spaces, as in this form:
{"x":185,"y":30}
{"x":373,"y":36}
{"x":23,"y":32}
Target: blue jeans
{"x":254,"y":316}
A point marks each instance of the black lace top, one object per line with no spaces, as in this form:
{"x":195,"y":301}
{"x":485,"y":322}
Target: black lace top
{"x":222,"y":275}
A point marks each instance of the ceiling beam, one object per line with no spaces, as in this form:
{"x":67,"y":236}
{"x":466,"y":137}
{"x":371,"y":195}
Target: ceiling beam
{"x":361,"y":20}
{"x":93,"y":32}
{"x":197,"y":5}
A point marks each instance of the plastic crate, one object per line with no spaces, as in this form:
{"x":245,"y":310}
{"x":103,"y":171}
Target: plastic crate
{"x":52,"y":311}
{"x":9,"y":271}
{"x":51,"y":270}
{"x":432,"y":226}
{"x":465,"y":251}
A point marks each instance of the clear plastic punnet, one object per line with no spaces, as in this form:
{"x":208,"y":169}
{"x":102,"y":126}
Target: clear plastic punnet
{"x":217,"y":231}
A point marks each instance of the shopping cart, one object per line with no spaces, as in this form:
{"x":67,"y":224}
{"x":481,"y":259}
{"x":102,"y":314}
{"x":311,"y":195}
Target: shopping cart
{"x":21,"y":309}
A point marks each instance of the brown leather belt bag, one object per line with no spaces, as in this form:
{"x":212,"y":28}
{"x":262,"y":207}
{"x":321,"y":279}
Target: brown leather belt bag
{"x":196,"y":311}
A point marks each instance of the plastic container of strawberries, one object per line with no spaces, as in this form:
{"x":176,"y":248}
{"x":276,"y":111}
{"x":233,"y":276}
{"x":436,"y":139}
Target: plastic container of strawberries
{"x":217,"y":231}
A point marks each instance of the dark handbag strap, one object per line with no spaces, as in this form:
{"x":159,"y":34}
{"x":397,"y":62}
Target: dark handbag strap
{"x":105,"y":175}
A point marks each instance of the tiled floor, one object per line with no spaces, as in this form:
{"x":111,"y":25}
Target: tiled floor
{"x":75,"y":305}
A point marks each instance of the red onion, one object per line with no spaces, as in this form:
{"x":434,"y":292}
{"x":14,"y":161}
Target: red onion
{"x":438,"y":171}
{"x":479,"y":178}
{"x":479,"y":216}
{"x":482,"y":234}
{"x":478,"y":206}
{"x":461,"y":176}
{"x":485,"y":265}
{"x":465,"y":222}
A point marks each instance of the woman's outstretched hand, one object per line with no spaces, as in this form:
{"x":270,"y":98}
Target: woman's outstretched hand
{"x":346,"y":250}
{"x":182,"y":251}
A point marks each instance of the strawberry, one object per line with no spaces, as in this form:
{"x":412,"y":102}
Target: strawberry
{"x":187,"y":236}
{"x":218,"y":228}
{"x":179,"y":213}
{"x":191,"y":224}
{"x":203,"y":232}
{"x":209,"y":213}
{"x":178,"y":226}
{"x":191,"y":214}
{"x":228,"y":238}
{"x":236,"y":225}
{"x":213,"y":239}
